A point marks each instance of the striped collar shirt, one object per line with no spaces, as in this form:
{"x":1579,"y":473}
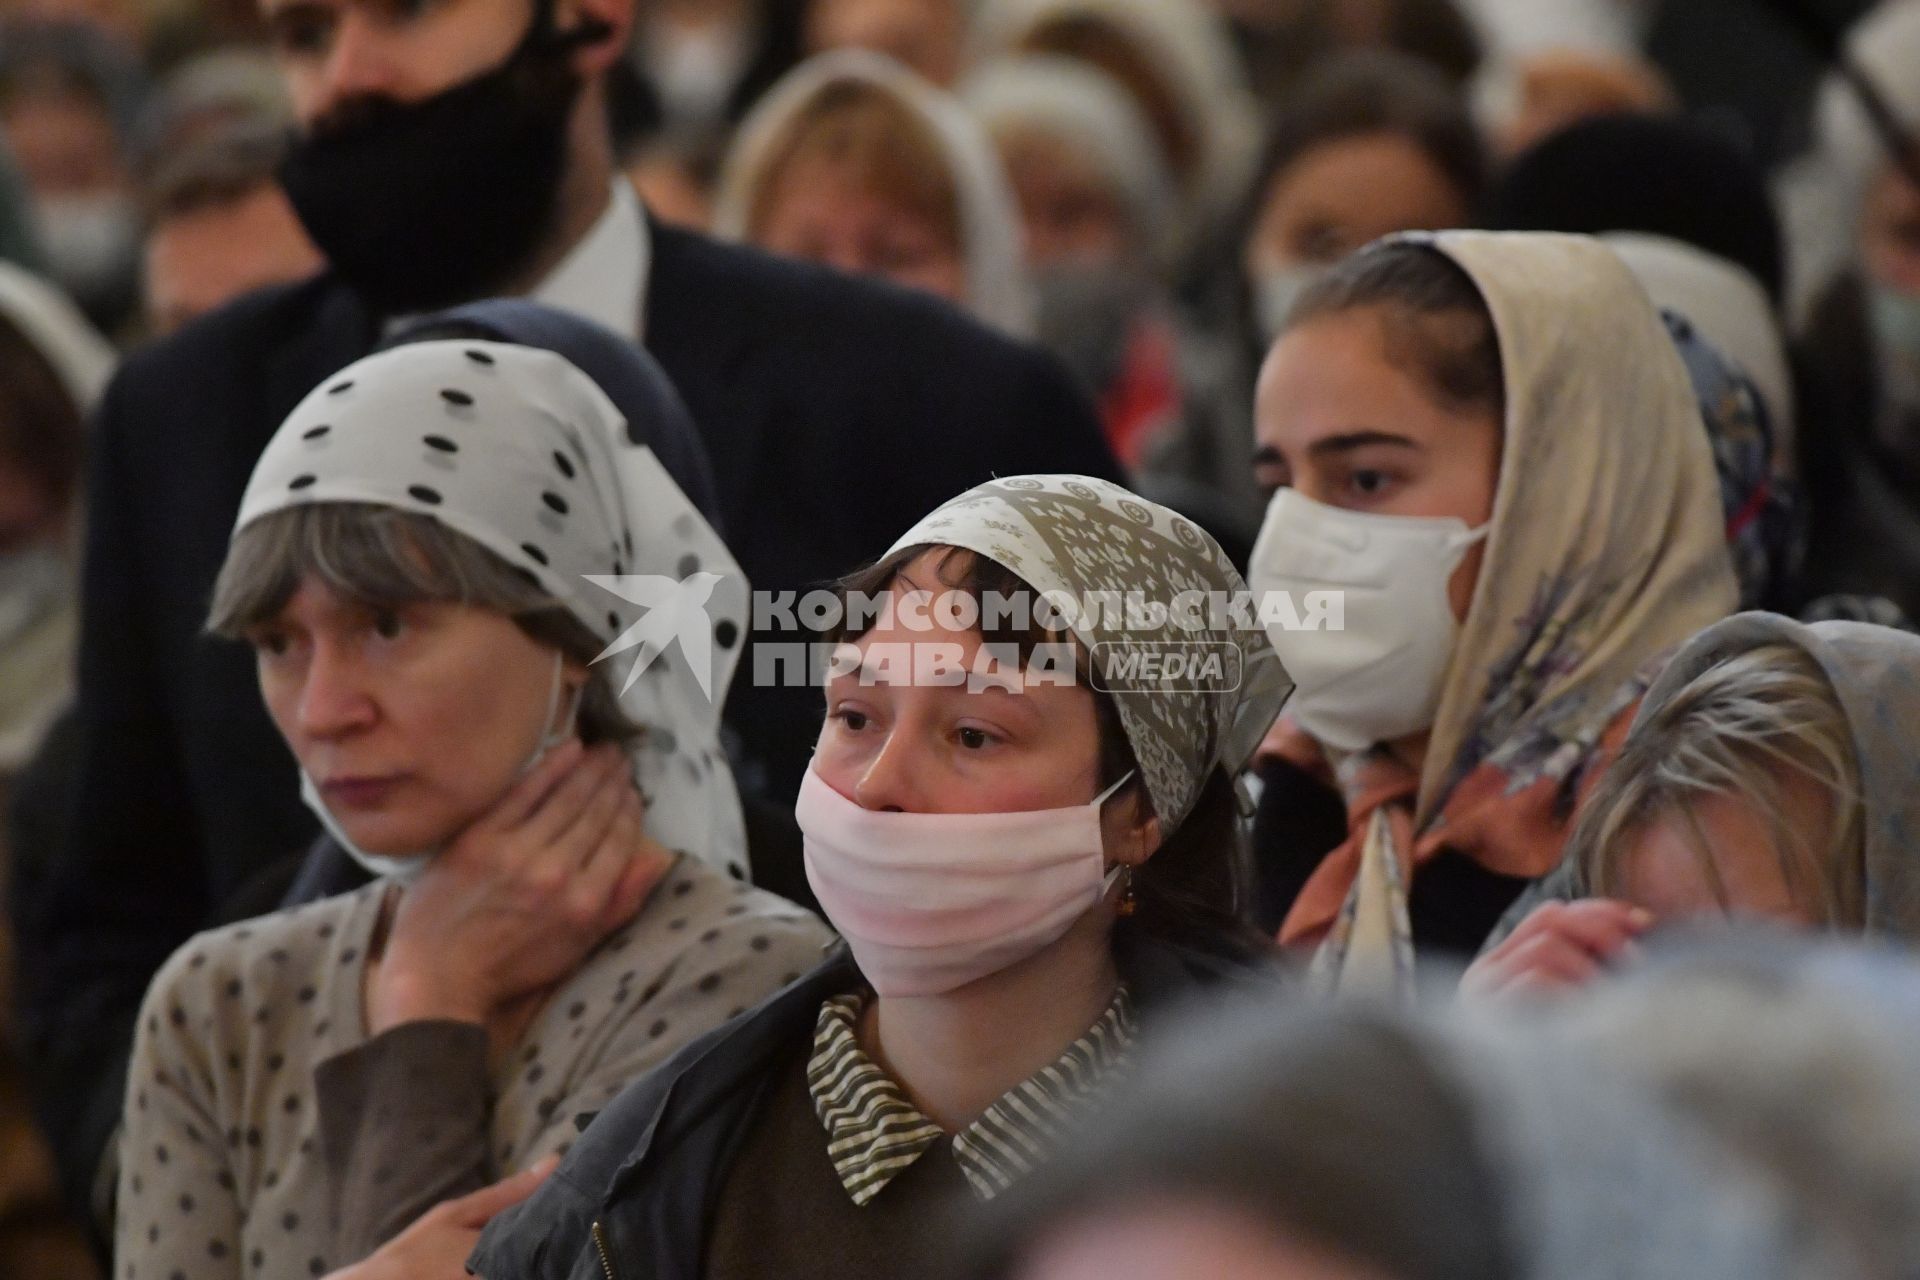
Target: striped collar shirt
{"x":874,"y":1132}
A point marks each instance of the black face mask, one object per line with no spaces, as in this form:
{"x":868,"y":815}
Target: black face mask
{"x":421,"y":205}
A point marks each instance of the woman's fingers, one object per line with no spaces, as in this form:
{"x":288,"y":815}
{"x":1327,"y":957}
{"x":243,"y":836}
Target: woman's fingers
{"x":526,"y":795}
{"x":581,"y":839}
{"x":1599,"y":925}
{"x":596,"y":876}
{"x":562,"y":806}
{"x":1550,"y":961}
{"x":475,"y":1209}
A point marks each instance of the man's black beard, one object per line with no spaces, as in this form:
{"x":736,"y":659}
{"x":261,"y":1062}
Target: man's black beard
{"x":421,"y":205}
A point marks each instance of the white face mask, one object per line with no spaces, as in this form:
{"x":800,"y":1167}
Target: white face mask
{"x":34,"y":583}
{"x":92,"y":242}
{"x":1379,"y":678}
{"x":929,"y":902}
{"x":409,"y":867}
{"x":1276,"y":291}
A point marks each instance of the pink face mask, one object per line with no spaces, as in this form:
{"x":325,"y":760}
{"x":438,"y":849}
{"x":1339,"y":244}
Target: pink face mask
{"x":932,"y":901}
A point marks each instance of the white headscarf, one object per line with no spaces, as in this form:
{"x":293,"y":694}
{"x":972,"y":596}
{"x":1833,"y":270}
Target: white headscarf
{"x":1087,"y":110}
{"x":1187,"y":43}
{"x":1727,"y":305}
{"x":81,"y":358}
{"x":998,"y":291}
{"x":517,"y":449}
{"x":1521,"y":27}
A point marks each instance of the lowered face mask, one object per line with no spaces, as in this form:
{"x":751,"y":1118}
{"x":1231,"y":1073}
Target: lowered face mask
{"x":92,"y":242}
{"x":409,"y":867}
{"x":929,"y":902}
{"x":1378,"y":678}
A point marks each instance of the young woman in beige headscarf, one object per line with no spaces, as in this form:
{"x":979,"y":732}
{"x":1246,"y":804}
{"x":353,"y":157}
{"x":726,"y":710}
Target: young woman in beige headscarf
{"x":1487,"y":444}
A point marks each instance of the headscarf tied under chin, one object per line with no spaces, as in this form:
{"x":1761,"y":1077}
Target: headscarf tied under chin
{"x":1081,"y":537}
{"x":998,"y":290}
{"x":518,"y":450}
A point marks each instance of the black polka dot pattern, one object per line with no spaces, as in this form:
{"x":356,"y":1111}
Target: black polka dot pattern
{"x":483,"y":456}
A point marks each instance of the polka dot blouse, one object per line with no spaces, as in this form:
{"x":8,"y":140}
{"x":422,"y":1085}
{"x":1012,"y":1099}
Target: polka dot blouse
{"x":267,"y":1135}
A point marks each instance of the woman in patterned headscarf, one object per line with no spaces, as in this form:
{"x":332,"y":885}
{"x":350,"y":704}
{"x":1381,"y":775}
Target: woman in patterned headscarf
{"x":1770,"y":772}
{"x":1488,"y":442}
{"x":1021,"y":816}
{"x":433,"y":555}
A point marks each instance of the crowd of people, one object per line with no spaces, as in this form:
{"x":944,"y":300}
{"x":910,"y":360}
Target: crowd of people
{"x":1031,"y":639}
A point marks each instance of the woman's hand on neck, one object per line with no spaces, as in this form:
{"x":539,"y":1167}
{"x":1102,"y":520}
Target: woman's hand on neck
{"x":957,"y":1054}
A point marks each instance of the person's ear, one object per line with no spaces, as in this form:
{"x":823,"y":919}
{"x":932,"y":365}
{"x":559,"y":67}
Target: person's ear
{"x":602,"y":27}
{"x":1132,"y":832}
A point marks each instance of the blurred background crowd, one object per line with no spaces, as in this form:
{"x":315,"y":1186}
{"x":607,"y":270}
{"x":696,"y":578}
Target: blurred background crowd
{"x":1153,"y":192}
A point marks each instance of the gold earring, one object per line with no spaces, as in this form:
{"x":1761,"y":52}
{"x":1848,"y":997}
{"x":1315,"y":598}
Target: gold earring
{"x":1128,"y":903}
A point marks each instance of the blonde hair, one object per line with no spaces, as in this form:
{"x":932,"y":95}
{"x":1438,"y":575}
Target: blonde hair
{"x":880,"y":140}
{"x":1738,"y":729}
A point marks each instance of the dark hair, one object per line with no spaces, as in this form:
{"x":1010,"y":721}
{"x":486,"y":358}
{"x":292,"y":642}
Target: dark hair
{"x":1334,"y":1124}
{"x":1436,"y":319}
{"x":1194,"y":890}
{"x":41,"y":429}
{"x":1689,"y":183}
{"x":1373,"y":91}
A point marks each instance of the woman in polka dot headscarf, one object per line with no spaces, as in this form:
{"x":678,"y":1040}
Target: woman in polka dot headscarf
{"x":433,"y":555}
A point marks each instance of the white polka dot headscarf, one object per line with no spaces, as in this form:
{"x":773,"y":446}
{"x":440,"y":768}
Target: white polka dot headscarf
{"x":517,"y":449}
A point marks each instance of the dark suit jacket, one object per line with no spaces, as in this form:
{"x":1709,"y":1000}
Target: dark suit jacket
{"x":836,"y":412}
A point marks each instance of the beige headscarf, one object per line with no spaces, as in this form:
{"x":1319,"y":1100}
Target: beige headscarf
{"x":1078,"y":538}
{"x":1606,"y":550}
{"x":1607,"y":544}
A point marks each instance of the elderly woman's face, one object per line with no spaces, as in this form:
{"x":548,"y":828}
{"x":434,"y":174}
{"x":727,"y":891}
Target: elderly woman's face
{"x":412,"y":721}
{"x":897,"y":739}
{"x":1343,"y":421}
{"x":1070,"y":213}
{"x":824,"y":212}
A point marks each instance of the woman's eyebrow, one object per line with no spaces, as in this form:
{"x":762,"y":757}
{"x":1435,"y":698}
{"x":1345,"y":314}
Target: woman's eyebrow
{"x":1352,"y":440}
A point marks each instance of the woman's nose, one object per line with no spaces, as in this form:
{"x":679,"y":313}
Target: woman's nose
{"x":886,"y":783}
{"x":333,"y":699}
